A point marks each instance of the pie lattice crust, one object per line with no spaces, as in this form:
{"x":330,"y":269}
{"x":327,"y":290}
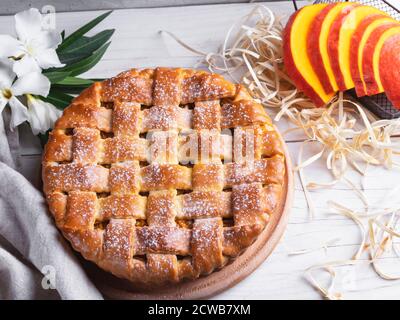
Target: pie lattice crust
{"x":147,"y":211}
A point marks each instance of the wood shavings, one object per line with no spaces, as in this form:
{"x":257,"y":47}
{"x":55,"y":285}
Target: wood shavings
{"x":347,"y":136}
{"x":377,"y":240}
{"x":328,"y":292}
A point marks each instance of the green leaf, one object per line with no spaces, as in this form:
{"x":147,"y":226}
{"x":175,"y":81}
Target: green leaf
{"x":70,"y":89}
{"x":63,"y":34}
{"x":86,"y":45}
{"x":56,"y":76}
{"x":74,"y":81}
{"x":75,"y":57}
{"x":86,"y":63}
{"x":73,"y":85}
{"x":81,"y":31}
{"x":60,"y":99}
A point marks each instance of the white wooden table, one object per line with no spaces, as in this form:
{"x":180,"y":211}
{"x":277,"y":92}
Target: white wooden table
{"x":137,"y":43}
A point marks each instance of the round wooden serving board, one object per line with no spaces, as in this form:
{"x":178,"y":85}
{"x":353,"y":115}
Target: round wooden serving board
{"x":218,"y":281}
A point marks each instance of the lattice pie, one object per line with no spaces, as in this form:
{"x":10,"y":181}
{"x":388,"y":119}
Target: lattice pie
{"x":163,"y":175}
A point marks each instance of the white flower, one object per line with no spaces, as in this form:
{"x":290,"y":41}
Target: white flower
{"x":31,"y":83}
{"x":42,"y":115}
{"x":35,"y":48}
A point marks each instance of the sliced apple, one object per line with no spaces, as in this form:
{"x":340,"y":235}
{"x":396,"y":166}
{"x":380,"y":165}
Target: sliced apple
{"x":389,"y":69}
{"x":371,"y":54}
{"x":339,"y":41}
{"x":297,"y":62}
{"x":317,"y":44}
{"x":358,"y":41}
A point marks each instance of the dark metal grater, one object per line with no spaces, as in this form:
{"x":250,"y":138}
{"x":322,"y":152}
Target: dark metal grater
{"x":378,"y":104}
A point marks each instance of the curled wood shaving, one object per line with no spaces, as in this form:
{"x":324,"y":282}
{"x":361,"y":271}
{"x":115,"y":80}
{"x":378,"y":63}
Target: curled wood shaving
{"x":382,"y":231}
{"x":347,"y":135}
{"x":377,"y":241}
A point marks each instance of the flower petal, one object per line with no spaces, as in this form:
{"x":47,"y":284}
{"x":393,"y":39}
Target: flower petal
{"x":7,"y":75}
{"x":34,"y":83}
{"x":48,"y":58}
{"x":28,"y":24}
{"x":9,"y":46}
{"x":49,"y":39}
{"x":3,"y":103}
{"x":53,"y":112}
{"x":27,"y":64}
{"x":19,"y":113}
{"x":42,"y":115}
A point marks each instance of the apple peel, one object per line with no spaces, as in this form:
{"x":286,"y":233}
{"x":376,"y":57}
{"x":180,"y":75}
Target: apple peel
{"x":389,"y":69}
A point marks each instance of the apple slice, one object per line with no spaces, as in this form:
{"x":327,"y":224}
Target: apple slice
{"x":339,"y":41}
{"x":389,"y":69}
{"x":358,"y":41}
{"x":371,"y":54}
{"x":317,"y":43}
{"x":297,"y":62}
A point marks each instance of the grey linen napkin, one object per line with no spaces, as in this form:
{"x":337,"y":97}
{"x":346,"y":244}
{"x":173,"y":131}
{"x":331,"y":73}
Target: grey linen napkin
{"x":35,"y":260}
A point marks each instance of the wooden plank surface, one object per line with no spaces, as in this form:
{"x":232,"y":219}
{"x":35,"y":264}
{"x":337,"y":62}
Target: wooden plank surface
{"x":137,"y":43}
{"x":13,"y":6}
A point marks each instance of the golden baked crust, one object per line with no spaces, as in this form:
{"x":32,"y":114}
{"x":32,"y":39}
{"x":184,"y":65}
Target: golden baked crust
{"x":128,"y":195}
